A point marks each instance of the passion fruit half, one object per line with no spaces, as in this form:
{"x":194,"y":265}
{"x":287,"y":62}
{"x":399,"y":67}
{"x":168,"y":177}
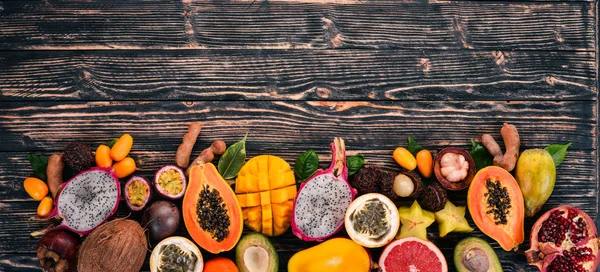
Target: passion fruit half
{"x":176,"y":254}
{"x":372,"y":220}
{"x":137,"y":193}
{"x":170,"y":182}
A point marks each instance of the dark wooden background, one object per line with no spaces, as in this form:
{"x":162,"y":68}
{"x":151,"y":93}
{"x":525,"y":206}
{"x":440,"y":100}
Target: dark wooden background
{"x":294,"y":74}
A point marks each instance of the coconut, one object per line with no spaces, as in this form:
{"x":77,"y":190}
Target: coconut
{"x":118,"y":245}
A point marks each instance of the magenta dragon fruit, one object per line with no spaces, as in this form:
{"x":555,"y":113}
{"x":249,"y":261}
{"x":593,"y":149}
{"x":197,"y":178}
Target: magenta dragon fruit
{"x":322,"y":201}
{"x":86,"y":200}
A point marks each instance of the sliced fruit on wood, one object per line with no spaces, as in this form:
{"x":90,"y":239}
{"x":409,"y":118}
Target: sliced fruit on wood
{"x":267,"y":182}
{"x":496,"y":205}
{"x":209,"y":199}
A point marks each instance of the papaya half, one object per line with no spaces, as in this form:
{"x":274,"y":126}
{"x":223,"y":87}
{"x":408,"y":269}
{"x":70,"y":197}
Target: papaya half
{"x":211,"y":212}
{"x":496,"y":205}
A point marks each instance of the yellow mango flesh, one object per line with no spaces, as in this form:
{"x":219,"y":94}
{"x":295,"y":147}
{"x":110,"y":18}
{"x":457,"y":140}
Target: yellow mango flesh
{"x":266,"y":188}
{"x":334,"y":255}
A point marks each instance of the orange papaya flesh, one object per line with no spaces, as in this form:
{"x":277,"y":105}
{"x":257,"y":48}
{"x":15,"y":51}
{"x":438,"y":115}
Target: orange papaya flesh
{"x":496,"y":205}
{"x":266,"y":188}
{"x":202,"y":179}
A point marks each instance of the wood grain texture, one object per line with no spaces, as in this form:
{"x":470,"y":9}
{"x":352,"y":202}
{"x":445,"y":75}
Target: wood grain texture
{"x":357,"y":24}
{"x":298,"y":75}
{"x":76,"y":25}
{"x":281,"y":126}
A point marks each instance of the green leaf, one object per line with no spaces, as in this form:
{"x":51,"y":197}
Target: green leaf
{"x":413,"y":146}
{"x":112,"y":142}
{"x":39,"y":164}
{"x":354,"y":163}
{"x":233,"y":159}
{"x":306,"y":165}
{"x":558,"y":152}
{"x":480,"y":155}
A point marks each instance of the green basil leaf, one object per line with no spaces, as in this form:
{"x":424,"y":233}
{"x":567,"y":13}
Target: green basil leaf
{"x":558,"y":152}
{"x":233,"y":159}
{"x":354,"y":163}
{"x":112,"y":142}
{"x":480,"y":155}
{"x":413,"y":146}
{"x":39,"y":164}
{"x":306,"y":165}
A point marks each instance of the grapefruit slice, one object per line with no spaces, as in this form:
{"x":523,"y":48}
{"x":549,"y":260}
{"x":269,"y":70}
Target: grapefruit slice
{"x":412,"y":254}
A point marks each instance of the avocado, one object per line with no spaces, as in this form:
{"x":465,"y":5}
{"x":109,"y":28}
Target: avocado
{"x":475,"y":255}
{"x":255,"y":253}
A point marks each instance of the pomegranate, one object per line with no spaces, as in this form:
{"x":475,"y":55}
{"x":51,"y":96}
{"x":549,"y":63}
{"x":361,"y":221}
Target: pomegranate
{"x":564,"y":239}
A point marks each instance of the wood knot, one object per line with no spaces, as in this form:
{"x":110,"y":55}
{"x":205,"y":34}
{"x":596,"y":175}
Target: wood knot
{"x":331,"y":34}
{"x":558,"y":37}
{"x":500,"y":58}
{"x":424,"y":63}
{"x":323,"y":92}
{"x":551,"y":80}
{"x":188,"y":104}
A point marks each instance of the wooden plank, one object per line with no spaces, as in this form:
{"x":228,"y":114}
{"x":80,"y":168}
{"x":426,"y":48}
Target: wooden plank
{"x":281,"y":126}
{"x":77,"y":25}
{"x":297,"y":75}
{"x":357,"y":24}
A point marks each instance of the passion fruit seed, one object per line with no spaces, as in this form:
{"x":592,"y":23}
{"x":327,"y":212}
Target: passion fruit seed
{"x":170,"y":181}
{"x":175,"y":259}
{"x":498,"y":201}
{"x":137,"y":192}
{"x":371,"y":219}
{"x":212,"y":214}
{"x":476,"y":260}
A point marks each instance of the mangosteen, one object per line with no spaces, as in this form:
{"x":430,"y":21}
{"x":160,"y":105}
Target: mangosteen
{"x":454,"y":168}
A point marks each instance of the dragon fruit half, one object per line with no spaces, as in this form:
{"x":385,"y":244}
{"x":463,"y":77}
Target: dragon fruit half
{"x":322,"y":201}
{"x":86,"y":200}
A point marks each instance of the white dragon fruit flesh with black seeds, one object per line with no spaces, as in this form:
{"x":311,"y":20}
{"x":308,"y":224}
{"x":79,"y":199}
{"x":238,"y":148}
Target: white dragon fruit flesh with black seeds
{"x":87,"y":200}
{"x":321,"y":203}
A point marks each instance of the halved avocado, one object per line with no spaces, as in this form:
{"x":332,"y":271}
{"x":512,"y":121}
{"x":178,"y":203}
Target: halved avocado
{"x":475,"y":255}
{"x":255,"y":253}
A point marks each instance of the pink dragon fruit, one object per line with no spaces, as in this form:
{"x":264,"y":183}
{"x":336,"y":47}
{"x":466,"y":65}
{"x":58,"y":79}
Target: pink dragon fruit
{"x":86,"y":201}
{"x":322,"y":201}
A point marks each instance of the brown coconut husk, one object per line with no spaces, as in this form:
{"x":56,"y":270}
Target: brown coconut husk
{"x":119,"y":245}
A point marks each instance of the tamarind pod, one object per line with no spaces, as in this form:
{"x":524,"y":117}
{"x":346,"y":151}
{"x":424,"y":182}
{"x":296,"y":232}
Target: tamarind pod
{"x":492,"y":147}
{"x":207,"y":155}
{"x":184,"y":151}
{"x":512,"y":143}
{"x":54,"y":172}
